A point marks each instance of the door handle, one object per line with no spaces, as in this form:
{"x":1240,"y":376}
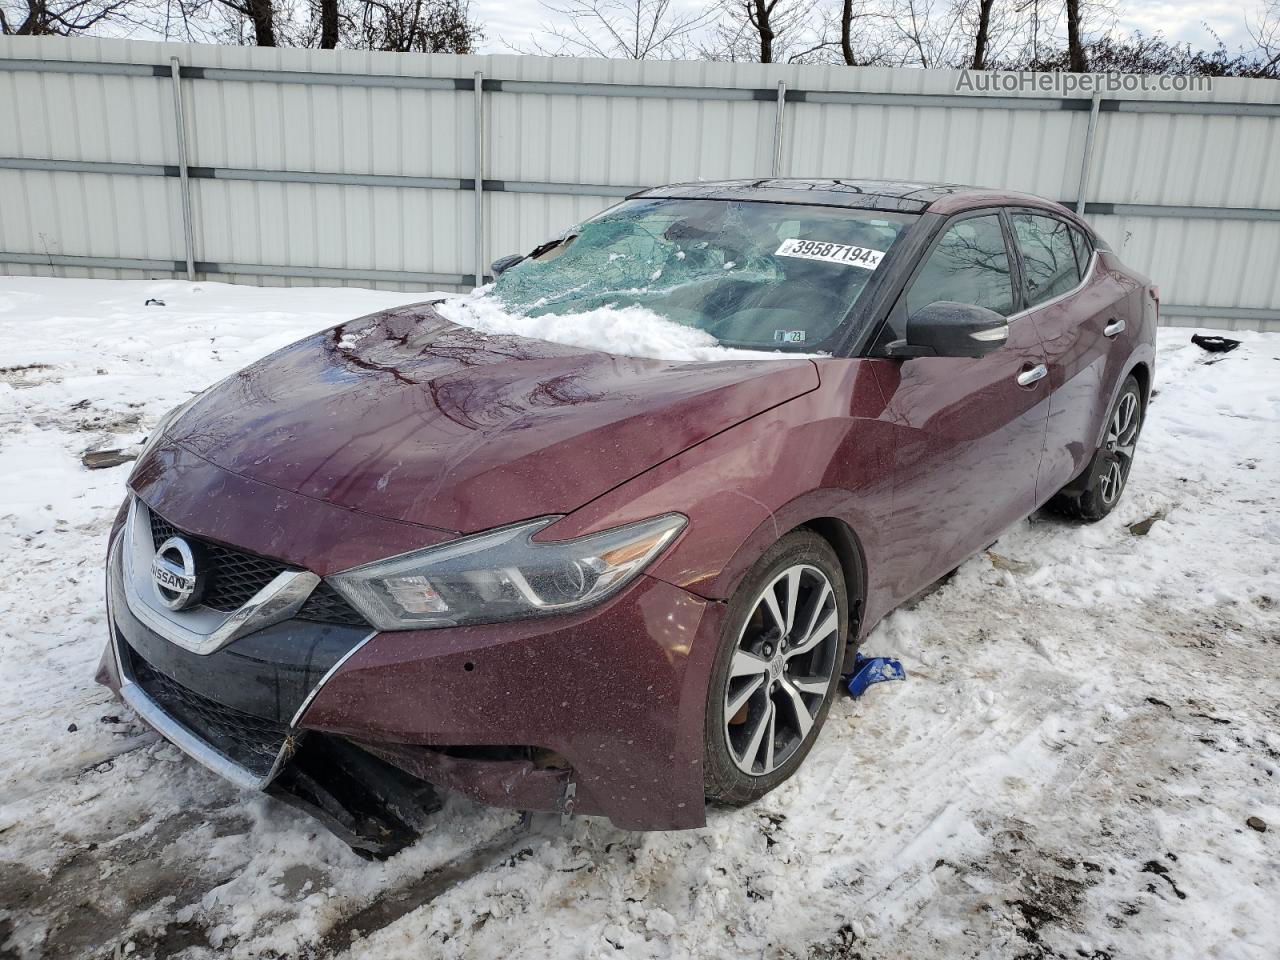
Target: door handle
{"x":1031,"y":374}
{"x":1113,"y":328}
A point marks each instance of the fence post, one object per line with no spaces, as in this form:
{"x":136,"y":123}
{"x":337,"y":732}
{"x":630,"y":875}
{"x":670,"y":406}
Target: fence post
{"x":479,"y":171}
{"x":175,"y":69}
{"x":777,"y":128}
{"x":1087,"y":161}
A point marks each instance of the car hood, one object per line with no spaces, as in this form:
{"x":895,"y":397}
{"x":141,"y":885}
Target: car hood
{"x":407,"y":416}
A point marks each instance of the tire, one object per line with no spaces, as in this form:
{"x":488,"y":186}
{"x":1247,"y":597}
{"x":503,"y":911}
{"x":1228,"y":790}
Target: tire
{"x":1096,"y":492}
{"x":763,"y":675}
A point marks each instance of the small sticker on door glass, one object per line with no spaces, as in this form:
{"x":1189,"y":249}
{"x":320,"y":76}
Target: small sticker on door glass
{"x":842,"y":253}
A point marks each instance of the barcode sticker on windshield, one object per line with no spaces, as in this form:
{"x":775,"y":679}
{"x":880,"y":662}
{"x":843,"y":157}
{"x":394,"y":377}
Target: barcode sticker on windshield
{"x":843,"y":253}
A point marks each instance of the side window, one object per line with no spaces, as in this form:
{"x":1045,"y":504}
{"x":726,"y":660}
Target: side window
{"x":1048,"y":256}
{"x":969,"y":265}
{"x":1084,"y":249}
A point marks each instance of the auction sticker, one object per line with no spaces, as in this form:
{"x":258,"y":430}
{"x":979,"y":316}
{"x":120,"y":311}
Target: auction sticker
{"x":843,"y":253}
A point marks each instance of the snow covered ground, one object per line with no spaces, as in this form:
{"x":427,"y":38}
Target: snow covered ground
{"x":1091,"y":717}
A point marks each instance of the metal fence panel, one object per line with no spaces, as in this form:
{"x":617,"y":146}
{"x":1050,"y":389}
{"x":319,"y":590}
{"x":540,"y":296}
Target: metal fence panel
{"x":347,"y":167}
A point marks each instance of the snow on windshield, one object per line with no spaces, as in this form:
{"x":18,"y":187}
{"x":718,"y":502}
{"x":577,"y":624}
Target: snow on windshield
{"x":684,"y":279}
{"x":627,"y":331}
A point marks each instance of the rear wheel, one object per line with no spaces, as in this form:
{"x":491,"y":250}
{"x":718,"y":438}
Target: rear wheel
{"x":1095,"y":495}
{"x":777,"y":669}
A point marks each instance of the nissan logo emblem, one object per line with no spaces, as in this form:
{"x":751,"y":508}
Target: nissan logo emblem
{"x":178,"y":580}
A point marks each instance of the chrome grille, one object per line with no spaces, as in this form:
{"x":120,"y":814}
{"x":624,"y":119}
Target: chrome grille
{"x":326,"y":605}
{"x":237,"y":575}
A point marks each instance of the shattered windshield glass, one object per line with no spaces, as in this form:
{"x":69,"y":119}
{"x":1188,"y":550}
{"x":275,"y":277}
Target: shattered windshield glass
{"x":758,"y":275}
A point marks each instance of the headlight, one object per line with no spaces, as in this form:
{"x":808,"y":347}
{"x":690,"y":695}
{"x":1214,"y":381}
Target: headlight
{"x":503,"y":575}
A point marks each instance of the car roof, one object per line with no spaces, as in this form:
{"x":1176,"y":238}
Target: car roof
{"x":892,"y":195}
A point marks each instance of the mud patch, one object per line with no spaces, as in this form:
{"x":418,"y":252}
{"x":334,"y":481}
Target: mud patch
{"x":169,"y":941}
{"x":843,"y":945}
{"x":26,"y":375}
{"x":110,"y":421}
{"x":1160,"y":870}
{"x":1051,"y":887}
{"x":23,"y":368}
{"x":85,"y":907}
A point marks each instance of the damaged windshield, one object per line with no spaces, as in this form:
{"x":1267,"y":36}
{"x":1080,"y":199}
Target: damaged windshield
{"x":758,"y":275}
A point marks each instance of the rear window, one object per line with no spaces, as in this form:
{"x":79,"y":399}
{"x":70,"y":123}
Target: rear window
{"x":757,"y":275}
{"x":1048,"y":256}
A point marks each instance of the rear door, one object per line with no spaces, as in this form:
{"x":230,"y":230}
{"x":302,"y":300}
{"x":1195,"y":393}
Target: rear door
{"x":970,"y":430}
{"x":1079,"y":311}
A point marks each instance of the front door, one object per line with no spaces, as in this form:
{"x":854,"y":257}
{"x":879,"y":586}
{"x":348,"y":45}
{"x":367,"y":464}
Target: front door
{"x":970,"y":431}
{"x":1080,"y":311}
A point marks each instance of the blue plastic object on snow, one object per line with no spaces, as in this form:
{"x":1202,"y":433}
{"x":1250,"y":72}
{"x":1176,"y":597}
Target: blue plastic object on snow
{"x":869,"y":670}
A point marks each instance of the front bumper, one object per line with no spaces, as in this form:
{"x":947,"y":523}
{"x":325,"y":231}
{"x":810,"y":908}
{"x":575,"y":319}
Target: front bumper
{"x":618,"y":692}
{"x":600,"y":712}
{"x":235,"y":710}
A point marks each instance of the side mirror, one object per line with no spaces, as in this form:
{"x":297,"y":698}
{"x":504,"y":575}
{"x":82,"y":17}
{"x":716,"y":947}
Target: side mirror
{"x":948,"y":329}
{"x":503,"y":264}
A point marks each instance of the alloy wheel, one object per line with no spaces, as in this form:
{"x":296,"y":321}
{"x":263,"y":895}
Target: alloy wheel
{"x":1122,"y":437}
{"x":786,"y":654}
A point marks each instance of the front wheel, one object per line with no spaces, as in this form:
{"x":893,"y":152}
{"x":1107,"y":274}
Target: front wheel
{"x":777,"y":668}
{"x":1108,"y":472}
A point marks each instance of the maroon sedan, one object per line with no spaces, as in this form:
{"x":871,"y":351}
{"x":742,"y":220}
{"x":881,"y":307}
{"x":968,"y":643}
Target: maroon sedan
{"x":402,"y":554}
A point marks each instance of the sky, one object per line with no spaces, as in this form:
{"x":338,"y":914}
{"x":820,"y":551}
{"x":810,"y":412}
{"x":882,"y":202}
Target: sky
{"x":509,"y":23}
{"x":1186,"y":20}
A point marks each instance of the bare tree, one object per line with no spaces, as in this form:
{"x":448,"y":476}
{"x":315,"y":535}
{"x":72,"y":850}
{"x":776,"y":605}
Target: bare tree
{"x":261,"y":14}
{"x":1153,"y":55}
{"x":851,"y":34}
{"x":926,"y":34}
{"x":760,"y":16}
{"x":802,"y":33}
{"x":768,"y":31}
{"x":628,"y":29}
{"x":972,"y":34}
{"x":406,"y":26}
{"x":415,"y":26}
{"x":230,"y":21}
{"x":1035,"y":30}
{"x":1266,"y":34}
{"x":329,"y":24}
{"x":983,"y":34}
{"x":1075,"y":44}
{"x":846,"y":32}
{"x":32,"y":18}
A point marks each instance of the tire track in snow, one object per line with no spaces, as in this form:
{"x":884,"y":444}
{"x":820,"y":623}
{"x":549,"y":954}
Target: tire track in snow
{"x":391,"y":905}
